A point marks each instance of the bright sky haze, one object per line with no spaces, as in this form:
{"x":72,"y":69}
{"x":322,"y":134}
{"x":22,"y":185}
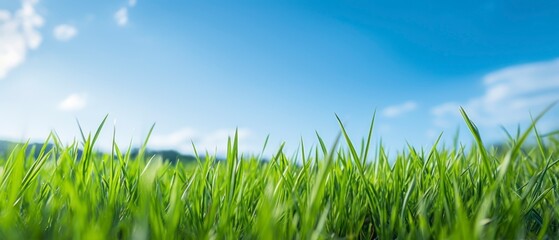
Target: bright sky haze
{"x":200,"y":69}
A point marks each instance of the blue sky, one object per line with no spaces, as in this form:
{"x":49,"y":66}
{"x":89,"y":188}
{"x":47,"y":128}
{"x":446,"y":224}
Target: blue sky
{"x":199,"y":69}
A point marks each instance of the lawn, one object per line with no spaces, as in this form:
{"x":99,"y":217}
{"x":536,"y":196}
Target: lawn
{"x":339,"y":190}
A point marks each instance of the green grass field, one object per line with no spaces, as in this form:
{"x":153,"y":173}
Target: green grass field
{"x":333,"y":191}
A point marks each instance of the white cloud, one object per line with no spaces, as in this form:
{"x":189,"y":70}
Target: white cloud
{"x":73,"y":102}
{"x":64,"y":32}
{"x":213,"y":141}
{"x":173,"y":139}
{"x":510,"y":95}
{"x":121,"y":16}
{"x":18,"y":33}
{"x":442,"y":111}
{"x":445,"y":108}
{"x":397,"y":110}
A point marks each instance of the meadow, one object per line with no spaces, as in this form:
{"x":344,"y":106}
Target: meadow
{"x":343,"y":190}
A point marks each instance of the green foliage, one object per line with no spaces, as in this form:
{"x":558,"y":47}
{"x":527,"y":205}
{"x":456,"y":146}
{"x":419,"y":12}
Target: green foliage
{"x":342,"y":193}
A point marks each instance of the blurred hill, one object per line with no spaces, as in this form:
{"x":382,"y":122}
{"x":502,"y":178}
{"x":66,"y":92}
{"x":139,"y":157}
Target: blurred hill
{"x":167,"y":155}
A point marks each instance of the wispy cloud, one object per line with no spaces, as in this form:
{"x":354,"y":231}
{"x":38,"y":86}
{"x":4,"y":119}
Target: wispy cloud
{"x":510,"y":94}
{"x":400,"y":109}
{"x":121,"y":16}
{"x":64,"y":32}
{"x":174,"y":139}
{"x":18,"y":33}
{"x":73,"y":102}
{"x":213,"y":141}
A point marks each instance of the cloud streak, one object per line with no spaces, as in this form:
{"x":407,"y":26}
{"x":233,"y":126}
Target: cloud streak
{"x":64,"y":32}
{"x":214,"y":141}
{"x":18,"y":34}
{"x":398,"y":110}
{"x":121,"y":16}
{"x":73,"y":102}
